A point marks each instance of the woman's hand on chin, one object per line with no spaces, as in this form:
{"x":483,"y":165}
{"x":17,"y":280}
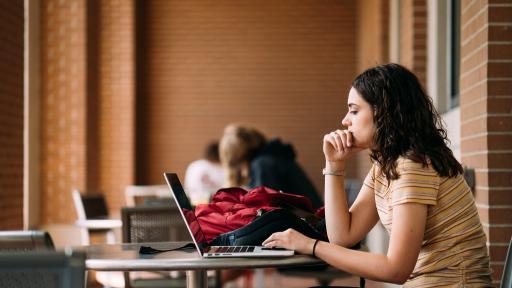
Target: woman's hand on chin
{"x":339,"y":145}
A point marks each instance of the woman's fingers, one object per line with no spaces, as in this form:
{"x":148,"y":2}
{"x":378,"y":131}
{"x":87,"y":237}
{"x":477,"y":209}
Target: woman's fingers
{"x":271,"y":240}
{"x":338,"y":141}
{"x":330,"y":143}
{"x":339,"y":144}
{"x":344,"y":140}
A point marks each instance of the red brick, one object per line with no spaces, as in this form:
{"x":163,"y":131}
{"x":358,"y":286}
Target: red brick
{"x":500,"y":70}
{"x":477,"y":21}
{"x":499,"y":142}
{"x":473,"y":42}
{"x":499,"y":123}
{"x":474,"y":126}
{"x":474,"y":109}
{"x":498,"y":234}
{"x":500,"y":160}
{"x":472,"y":93}
{"x":500,"y":14}
{"x":498,"y":253}
{"x":475,"y":161}
{"x":501,"y":179}
{"x":500,"y":51}
{"x":500,"y":33}
{"x":477,"y":57}
{"x":499,"y":105}
{"x":474,"y":144}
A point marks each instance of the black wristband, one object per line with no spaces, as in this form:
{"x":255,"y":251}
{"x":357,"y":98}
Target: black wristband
{"x":314,"y":247}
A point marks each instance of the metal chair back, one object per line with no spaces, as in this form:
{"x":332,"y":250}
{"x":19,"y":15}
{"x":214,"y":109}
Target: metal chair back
{"x":153,"y":224}
{"x":42,"y":269}
{"x":25,"y":240}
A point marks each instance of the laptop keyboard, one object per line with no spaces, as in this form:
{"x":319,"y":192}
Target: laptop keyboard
{"x":231,"y":249}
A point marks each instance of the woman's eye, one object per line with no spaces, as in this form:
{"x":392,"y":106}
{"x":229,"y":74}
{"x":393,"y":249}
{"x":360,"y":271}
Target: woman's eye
{"x":353,"y":112}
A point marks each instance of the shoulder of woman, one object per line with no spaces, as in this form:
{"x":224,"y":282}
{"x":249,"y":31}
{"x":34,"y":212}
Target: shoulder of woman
{"x":405,"y":164}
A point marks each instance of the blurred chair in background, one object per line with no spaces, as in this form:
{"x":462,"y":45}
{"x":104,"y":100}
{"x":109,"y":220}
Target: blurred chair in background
{"x":25,"y":240}
{"x":136,"y":195}
{"x":93,"y":217}
{"x":27,"y":260}
{"x":153,"y":224}
{"x":42,"y":269}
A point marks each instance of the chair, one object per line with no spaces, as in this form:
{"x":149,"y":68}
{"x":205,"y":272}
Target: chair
{"x":42,"y":269}
{"x":92,"y":216}
{"x":506,"y":277}
{"x":25,"y":240}
{"x":153,"y":224}
{"x":140,"y":194}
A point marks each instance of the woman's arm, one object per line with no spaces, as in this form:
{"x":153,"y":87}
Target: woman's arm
{"x":396,"y":266}
{"x":403,"y":250}
{"x":344,"y":227}
{"x":347,"y":227}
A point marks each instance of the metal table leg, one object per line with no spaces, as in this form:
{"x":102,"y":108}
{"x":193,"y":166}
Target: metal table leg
{"x":197,"y":279}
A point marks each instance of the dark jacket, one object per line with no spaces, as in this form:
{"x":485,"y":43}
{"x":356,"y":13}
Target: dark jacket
{"x":274,"y":166}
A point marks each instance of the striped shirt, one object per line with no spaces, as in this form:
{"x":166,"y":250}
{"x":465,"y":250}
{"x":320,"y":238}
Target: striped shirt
{"x":453,"y":252}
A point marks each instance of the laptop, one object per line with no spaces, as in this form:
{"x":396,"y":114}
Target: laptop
{"x":194,"y":228}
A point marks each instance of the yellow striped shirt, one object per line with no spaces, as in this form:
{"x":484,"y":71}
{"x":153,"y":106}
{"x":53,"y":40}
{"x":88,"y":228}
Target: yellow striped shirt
{"x":453,"y":252}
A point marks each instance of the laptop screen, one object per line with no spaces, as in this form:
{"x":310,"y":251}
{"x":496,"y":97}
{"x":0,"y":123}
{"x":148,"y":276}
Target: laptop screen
{"x":187,"y":211}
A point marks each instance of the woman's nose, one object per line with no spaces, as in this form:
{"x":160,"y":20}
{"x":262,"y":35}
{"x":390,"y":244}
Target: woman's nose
{"x":345,"y":121}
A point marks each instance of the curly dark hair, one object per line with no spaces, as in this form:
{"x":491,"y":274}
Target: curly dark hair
{"x":406,"y":122}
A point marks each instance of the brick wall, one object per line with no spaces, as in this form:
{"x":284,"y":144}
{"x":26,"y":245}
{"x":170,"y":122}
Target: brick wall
{"x":486,"y":112}
{"x":284,"y":66}
{"x":413,"y":37}
{"x":11,"y":115}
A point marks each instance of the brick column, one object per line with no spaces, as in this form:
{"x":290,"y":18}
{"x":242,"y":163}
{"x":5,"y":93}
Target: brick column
{"x":11,"y":115}
{"x":63,"y":102}
{"x":486,"y":117}
{"x":413,"y":37}
{"x":116,"y":105}
{"x":88,"y":100}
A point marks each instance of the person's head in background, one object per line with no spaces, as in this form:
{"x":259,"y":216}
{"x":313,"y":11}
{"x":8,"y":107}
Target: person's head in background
{"x":238,"y":146}
{"x":211,"y":152}
{"x":405,"y":122}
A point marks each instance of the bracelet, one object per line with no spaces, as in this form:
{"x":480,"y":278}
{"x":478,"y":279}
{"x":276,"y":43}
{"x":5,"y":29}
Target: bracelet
{"x":333,"y":173}
{"x":314,"y":247}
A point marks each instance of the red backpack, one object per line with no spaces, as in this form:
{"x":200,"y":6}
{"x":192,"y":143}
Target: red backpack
{"x":239,"y":217}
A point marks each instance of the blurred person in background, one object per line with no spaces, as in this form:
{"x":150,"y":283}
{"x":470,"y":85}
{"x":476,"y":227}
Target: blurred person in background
{"x":249,"y":161}
{"x":205,"y":176}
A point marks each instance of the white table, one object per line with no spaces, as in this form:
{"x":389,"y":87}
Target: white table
{"x":126,"y":257}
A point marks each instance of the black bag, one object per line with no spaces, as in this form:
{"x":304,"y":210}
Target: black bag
{"x":263,"y":226}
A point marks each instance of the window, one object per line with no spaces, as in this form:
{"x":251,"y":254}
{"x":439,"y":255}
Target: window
{"x":454,"y":52}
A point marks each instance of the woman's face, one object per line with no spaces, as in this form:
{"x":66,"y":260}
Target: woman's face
{"x":359,"y":120}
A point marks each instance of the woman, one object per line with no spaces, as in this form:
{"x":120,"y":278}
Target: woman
{"x":415,"y":188}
